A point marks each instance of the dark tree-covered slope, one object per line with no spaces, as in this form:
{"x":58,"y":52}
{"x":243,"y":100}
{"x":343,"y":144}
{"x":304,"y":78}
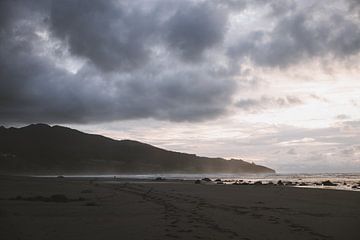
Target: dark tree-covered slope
{"x":40,"y":148}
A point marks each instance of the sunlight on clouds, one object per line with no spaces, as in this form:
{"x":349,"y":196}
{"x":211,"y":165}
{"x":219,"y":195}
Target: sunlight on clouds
{"x":57,"y":52}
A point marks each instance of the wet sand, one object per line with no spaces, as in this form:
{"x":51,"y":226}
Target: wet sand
{"x":172,"y":210}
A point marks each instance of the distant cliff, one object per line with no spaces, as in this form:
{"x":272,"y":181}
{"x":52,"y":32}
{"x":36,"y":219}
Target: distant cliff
{"x":42,"y":149}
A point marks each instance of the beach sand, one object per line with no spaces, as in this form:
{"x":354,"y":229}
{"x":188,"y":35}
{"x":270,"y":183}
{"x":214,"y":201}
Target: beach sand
{"x":172,"y":210}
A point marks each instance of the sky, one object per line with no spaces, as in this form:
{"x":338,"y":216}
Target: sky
{"x":274,"y":82}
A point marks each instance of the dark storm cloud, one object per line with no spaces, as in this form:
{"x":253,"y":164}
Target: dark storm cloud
{"x":118,"y":40}
{"x":168,"y":96}
{"x":265,"y":102}
{"x":194,"y":29}
{"x":354,"y":6}
{"x":116,"y":35}
{"x":300,"y":34}
{"x":105,"y":32}
{"x":92,"y":60}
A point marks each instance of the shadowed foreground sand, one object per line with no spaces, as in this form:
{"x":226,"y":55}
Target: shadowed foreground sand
{"x":172,"y":210}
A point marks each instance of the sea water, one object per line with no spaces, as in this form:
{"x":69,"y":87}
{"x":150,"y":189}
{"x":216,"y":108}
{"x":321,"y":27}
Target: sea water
{"x":343,"y":181}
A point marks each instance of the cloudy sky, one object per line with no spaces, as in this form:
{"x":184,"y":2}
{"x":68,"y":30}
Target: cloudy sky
{"x":274,"y":82}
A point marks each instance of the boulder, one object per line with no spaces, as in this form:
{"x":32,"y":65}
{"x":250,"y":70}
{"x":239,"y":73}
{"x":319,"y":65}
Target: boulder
{"x":328,"y":183}
{"x":258,"y":183}
{"x":289,"y":183}
{"x":159,"y":179}
{"x":206,"y":179}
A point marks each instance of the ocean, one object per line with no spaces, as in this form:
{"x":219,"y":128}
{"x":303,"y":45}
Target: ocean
{"x":343,"y":181}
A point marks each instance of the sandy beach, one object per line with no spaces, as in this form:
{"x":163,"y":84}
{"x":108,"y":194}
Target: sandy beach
{"x":62,"y":208}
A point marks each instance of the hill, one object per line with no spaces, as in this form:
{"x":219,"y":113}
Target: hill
{"x":44,"y":149}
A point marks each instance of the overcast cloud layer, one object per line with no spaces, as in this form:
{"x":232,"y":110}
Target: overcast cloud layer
{"x":233,"y":63}
{"x":89,"y":61}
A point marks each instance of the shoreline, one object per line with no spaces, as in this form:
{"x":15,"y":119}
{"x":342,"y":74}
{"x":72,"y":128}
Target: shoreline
{"x":336,"y":181}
